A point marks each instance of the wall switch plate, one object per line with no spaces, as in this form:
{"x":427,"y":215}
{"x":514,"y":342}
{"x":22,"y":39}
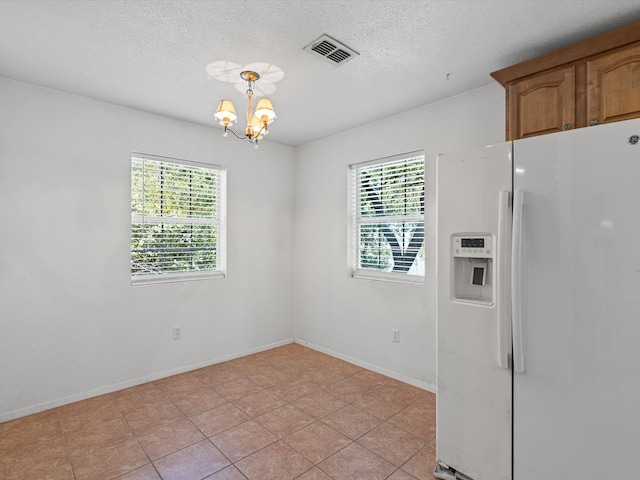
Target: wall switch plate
{"x":177,"y":333}
{"x":395,"y":335}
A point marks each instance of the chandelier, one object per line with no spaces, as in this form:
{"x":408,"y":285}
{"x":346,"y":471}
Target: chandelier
{"x":257,"y":121}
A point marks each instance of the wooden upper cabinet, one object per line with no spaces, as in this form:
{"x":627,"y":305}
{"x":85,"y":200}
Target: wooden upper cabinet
{"x":592,"y":82}
{"x":541,"y":104}
{"x":613,"y":86}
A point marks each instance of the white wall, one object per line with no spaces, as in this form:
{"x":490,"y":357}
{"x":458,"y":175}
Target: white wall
{"x":353,"y":318}
{"x":72,"y":325}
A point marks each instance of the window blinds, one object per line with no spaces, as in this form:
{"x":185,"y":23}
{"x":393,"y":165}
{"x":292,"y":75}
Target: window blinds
{"x":177,"y":218}
{"x":388,"y":215}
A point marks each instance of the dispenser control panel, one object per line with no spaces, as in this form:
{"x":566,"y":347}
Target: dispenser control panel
{"x":473,"y":246}
{"x":473,"y":268}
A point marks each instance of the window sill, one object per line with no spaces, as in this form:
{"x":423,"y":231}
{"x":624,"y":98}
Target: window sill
{"x":388,"y":277}
{"x":175,"y":277}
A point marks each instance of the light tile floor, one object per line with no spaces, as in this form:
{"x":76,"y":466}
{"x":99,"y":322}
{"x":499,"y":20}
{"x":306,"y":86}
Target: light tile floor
{"x":286,"y":413}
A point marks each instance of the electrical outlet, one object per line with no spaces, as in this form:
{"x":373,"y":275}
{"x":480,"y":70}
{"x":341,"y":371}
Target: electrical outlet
{"x":177,"y":333}
{"x":395,"y":335}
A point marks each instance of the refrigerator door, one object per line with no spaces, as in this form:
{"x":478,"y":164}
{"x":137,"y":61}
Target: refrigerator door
{"x":576,"y":404}
{"x":473,"y":434}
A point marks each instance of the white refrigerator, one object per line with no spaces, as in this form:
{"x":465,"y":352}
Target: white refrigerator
{"x":539,"y":308}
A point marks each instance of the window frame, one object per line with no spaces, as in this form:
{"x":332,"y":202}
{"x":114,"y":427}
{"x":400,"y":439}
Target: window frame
{"x":219,"y":221}
{"x":356,"y":220}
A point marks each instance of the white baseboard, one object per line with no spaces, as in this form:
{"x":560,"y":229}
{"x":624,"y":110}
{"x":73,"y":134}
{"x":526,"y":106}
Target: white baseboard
{"x":369,"y":366}
{"x":4,"y":417}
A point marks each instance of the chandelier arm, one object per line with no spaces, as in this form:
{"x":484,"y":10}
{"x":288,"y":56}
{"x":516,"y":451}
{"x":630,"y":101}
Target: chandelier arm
{"x":228,"y":129}
{"x":263,"y":129}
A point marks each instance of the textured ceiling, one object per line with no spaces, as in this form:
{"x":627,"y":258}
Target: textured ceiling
{"x":152,"y":54}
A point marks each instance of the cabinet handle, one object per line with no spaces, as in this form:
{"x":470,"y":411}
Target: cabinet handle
{"x":593,"y":121}
{"x":567,"y":126}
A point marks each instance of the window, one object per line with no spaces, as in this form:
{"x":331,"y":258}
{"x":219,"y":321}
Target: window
{"x":387,"y":218}
{"x":177,"y":220}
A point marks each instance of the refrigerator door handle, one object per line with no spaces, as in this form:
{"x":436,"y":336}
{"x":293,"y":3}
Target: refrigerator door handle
{"x":516,"y":281}
{"x":503,"y":291}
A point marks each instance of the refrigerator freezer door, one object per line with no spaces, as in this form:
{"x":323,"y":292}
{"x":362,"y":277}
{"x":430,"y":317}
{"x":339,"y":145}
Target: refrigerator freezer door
{"x":473,"y":434}
{"x":576,"y":406}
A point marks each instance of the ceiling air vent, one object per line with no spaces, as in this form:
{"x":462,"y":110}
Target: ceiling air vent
{"x":331,"y":50}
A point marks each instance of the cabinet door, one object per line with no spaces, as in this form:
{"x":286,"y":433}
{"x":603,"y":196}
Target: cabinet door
{"x":541,"y":104}
{"x":613,"y":86}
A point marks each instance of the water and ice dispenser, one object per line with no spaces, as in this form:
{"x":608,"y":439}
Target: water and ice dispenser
{"x":472,"y":268}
